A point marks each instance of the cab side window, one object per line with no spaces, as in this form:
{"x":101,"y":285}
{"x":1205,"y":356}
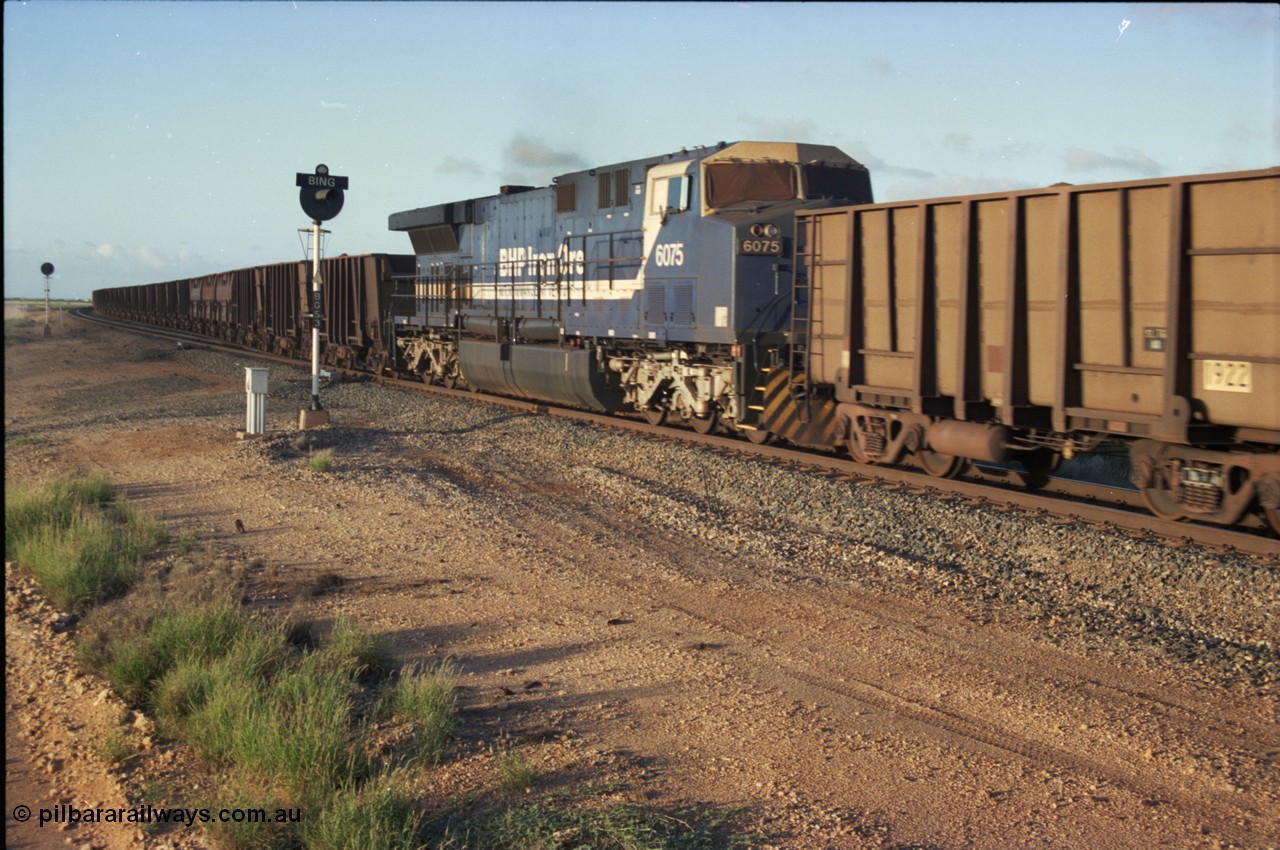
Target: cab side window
{"x":670,"y":193}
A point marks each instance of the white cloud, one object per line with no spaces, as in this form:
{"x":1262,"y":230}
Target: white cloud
{"x":881,"y":67}
{"x":148,"y":257}
{"x":1231,"y":19}
{"x":454,"y":165}
{"x":879,"y":166}
{"x":1125,"y":159}
{"x":1015,"y":150}
{"x":770,"y":130}
{"x":324,"y":104}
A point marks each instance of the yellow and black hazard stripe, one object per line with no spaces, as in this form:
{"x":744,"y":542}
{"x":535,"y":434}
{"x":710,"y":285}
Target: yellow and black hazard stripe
{"x":808,"y":422}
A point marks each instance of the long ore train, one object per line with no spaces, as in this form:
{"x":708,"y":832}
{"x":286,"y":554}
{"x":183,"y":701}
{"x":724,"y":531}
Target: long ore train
{"x":756,"y":288}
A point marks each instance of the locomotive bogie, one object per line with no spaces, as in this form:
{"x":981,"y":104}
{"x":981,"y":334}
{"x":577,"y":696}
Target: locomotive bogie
{"x":681,"y":387}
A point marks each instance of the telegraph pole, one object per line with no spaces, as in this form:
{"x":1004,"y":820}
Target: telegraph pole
{"x":321,"y":198}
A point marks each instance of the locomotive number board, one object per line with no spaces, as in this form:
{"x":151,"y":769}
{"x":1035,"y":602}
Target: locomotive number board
{"x":754,"y":245}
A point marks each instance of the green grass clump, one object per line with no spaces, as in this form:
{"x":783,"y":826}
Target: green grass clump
{"x":299,"y":727}
{"x":426,"y":698}
{"x":376,"y":814}
{"x":174,"y":636}
{"x":28,"y":508}
{"x":80,"y":543}
{"x":241,"y":696}
{"x":552,"y":823}
{"x":276,"y":830}
{"x":353,"y":652}
{"x":514,"y":771}
{"x":322,"y":461}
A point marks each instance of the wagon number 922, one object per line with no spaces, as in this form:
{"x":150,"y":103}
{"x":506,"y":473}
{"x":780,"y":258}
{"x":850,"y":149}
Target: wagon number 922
{"x":1228,"y":376}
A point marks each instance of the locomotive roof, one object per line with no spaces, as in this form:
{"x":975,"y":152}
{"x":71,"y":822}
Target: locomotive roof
{"x":723,"y":151}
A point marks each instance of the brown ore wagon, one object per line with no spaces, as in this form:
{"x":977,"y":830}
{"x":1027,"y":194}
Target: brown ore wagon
{"x":1031,"y":325}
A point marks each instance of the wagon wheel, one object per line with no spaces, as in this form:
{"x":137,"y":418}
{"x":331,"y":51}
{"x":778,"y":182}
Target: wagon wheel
{"x":1273,"y":519}
{"x":451,"y":379}
{"x":1039,"y":465}
{"x":1162,"y":504}
{"x":655,"y":415}
{"x":856,"y":452}
{"x":939,"y":465}
{"x":760,"y":436}
{"x":705,"y":424}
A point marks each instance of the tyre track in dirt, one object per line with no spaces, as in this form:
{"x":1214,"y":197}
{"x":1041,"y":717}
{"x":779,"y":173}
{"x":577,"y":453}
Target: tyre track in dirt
{"x":792,"y":650}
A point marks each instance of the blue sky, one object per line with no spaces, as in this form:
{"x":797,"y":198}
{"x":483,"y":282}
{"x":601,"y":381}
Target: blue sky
{"x":148,"y":141}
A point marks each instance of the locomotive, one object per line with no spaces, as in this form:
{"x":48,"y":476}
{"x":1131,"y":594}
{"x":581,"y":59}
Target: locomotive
{"x":646,"y":285}
{"x":755,"y":287}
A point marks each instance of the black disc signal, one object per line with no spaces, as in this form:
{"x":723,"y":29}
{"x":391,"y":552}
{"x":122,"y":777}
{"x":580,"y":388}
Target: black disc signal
{"x":321,"y":193}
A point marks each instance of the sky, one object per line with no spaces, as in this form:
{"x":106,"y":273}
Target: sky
{"x":152,"y":141}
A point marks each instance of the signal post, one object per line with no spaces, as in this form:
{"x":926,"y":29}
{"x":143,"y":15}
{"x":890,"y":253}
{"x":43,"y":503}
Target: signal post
{"x":321,"y":199}
{"x":47,"y":270}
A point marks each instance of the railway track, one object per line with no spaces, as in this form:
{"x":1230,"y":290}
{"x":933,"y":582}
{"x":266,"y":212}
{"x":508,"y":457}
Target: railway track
{"x":1068,"y":500}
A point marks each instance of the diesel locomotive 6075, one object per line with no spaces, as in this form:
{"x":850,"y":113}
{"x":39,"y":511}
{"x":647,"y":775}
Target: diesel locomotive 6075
{"x":645,"y":284}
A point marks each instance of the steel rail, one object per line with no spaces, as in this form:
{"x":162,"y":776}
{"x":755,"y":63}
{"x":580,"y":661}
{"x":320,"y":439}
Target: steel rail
{"x":1090,"y":504}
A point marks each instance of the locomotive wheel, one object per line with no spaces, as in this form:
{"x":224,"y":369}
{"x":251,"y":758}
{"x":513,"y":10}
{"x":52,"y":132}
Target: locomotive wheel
{"x":705,"y":425}
{"x":655,"y":415}
{"x":1159,"y":503}
{"x":939,"y":465}
{"x":759,"y":436}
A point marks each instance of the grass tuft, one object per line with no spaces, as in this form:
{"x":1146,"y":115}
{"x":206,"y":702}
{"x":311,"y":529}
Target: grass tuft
{"x":514,"y":771}
{"x":553,"y":823}
{"x":376,"y":814}
{"x":427,"y":698}
{"x":352,"y":652}
{"x":321,"y":461}
{"x":79,"y":543}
